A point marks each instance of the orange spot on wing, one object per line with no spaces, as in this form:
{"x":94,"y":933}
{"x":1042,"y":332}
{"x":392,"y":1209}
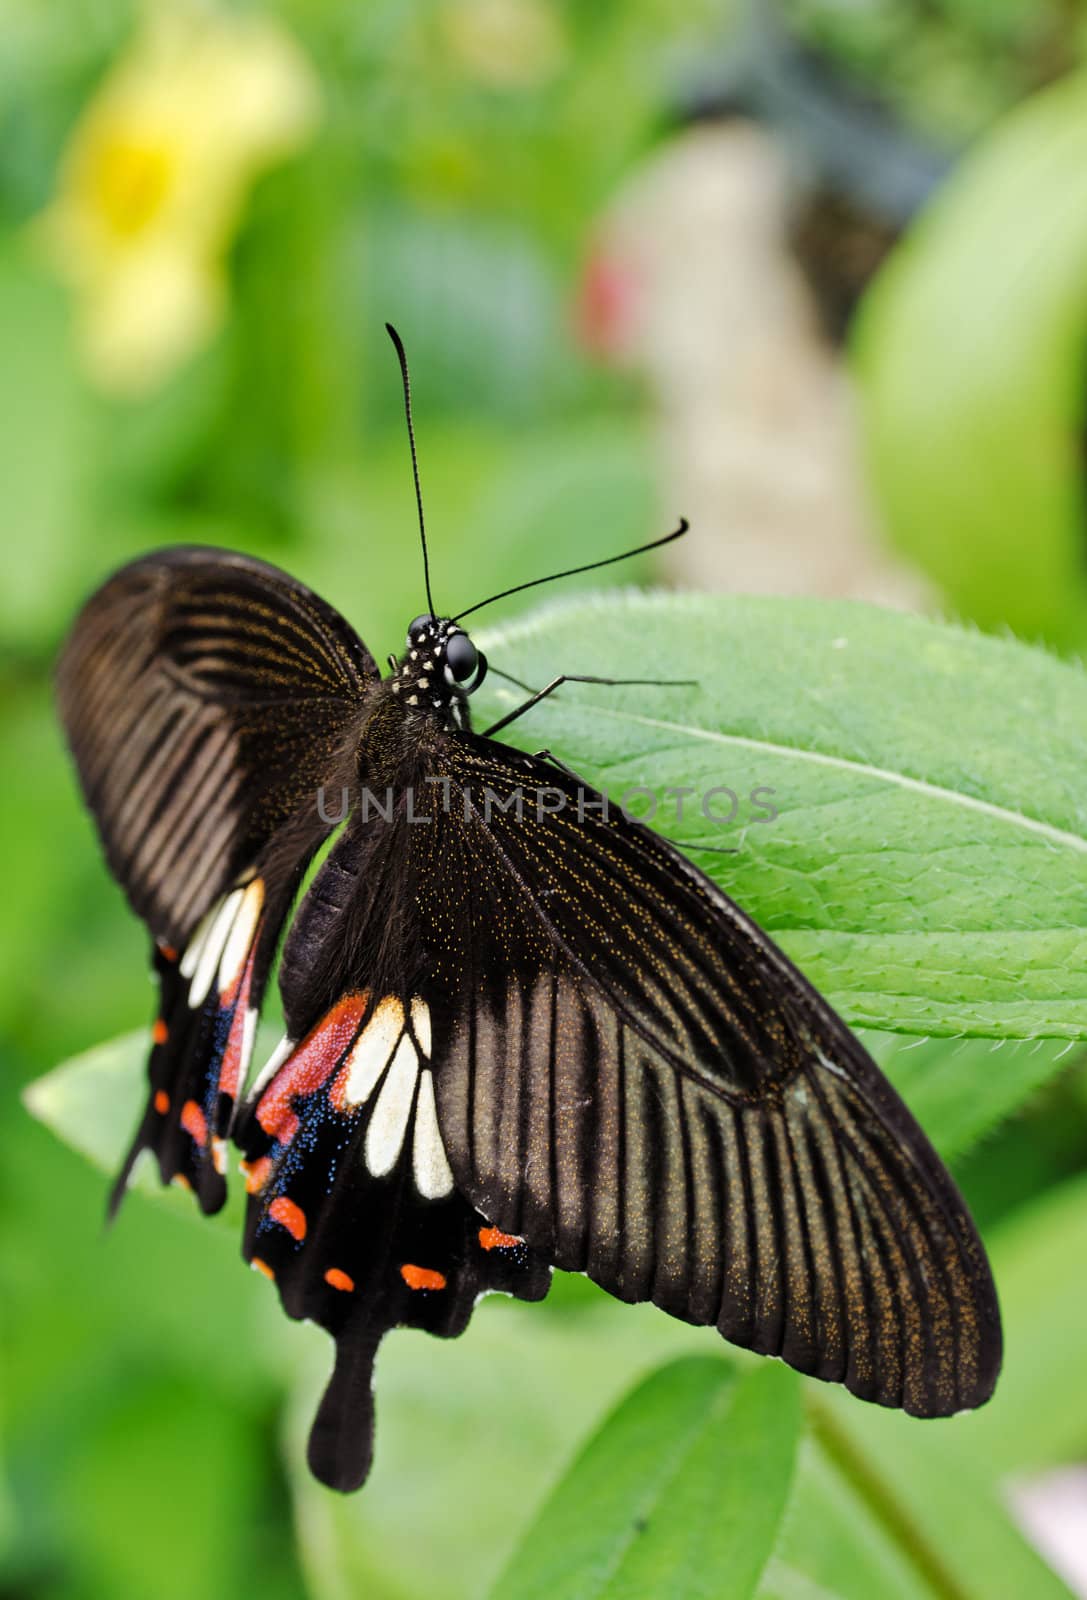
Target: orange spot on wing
{"x":167,"y":952}
{"x":194,"y":1122}
{"x":256,"y":1174}
{"x":159,"y":1032}
{"x":495,"y":1239}
{"x":161,"y":1102}
{"x":181,"y":1182}
{"x":289,"y":1216}
{"x":262,"y":1266}
{"x":422,"y":1277}
{"x":339,"y":1280}
{"x":309,"y":1067}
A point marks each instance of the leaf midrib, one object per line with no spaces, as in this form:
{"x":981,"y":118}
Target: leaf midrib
{"x":1058,"y":837}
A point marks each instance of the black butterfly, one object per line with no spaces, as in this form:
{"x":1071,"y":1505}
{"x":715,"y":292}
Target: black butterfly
{"x":519,"y":1034}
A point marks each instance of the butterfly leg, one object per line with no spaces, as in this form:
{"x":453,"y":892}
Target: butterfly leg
{"x":576,"y":677}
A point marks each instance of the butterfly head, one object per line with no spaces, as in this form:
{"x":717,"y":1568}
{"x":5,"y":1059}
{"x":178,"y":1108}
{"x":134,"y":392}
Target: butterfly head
{"x":441,"y":666}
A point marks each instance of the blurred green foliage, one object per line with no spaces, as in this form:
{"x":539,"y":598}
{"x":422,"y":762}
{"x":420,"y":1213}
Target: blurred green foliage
{"x":152,"y":1399}
{"x":947,"y":69}
{"x":970,"y":353}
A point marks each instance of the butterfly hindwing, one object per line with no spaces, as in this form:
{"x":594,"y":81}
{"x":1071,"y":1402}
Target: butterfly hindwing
{"x":353,"y":1209}
{"x":206,"y":697}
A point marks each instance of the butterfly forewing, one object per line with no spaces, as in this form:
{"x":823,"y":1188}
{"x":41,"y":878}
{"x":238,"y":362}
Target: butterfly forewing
{"x":206,"y":697}
{"x":636,"y":1079}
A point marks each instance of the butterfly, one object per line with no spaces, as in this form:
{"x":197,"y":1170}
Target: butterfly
{"x":519,"y":1035}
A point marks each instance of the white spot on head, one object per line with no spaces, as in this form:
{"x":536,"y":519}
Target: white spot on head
{"x":430,"y":1167}
{"x":385,"y":1135}
{"x":413,"y":699}
{"x":372,"y":1050}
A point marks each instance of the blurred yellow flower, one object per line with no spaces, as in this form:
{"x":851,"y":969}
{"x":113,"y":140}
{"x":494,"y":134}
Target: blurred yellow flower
{"x":155,"y":177}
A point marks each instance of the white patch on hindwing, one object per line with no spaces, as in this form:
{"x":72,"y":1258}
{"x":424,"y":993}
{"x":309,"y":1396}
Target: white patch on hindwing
{"x":370,"y":1053}
{"x":220,"y":944}
{"x":391,"y":1114}
{"x":193,"y":950}
{"x":249,"y":1039}
{"x":236,"y":949}
{"x":390,"y":1058}
{"x":211,"y":945}
{"x":429,"y":1164}
{"x":420,"y":1022}
{"x":285,"y":1048}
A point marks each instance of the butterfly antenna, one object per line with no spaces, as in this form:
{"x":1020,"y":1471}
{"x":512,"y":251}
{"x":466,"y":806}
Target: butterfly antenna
{"x":552,"y":577}
{"x":399,"y":347}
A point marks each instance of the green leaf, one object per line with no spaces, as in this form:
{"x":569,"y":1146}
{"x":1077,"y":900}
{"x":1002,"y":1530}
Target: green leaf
{"x":681,"y":1492}
{"x":938,"y":1503}
{"x":944,"y":1485}
{"x":479,"y":1446}
{"x":94,"y":1101}
{"x":970,"y":355}
{"x":834,"y":1545}
{"x":928,"y":864}
{"x":961,"y":1089}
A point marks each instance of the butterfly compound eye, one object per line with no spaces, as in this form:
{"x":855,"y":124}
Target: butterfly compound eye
{"x":418,"y":627}
{"x":461,"y":656}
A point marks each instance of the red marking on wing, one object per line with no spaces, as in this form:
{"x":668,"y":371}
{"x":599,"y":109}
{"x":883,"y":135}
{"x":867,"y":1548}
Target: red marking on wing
{"x":262,"y":1266}
{"x":495,"y":1239}
{"x":161,"y":1102}
{"x":159,"y":1031}
{"x":309,"y":1067}
{"x":194,"y":1122}
{"x":257,"y":1174}
{"x":230,"y":1070}
{"x":167,"y":952}
{"x":422,"y":1277}
{"x":337,"y":1091}
{"x":339,"y":1280}
{"x":289,"y":1216}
